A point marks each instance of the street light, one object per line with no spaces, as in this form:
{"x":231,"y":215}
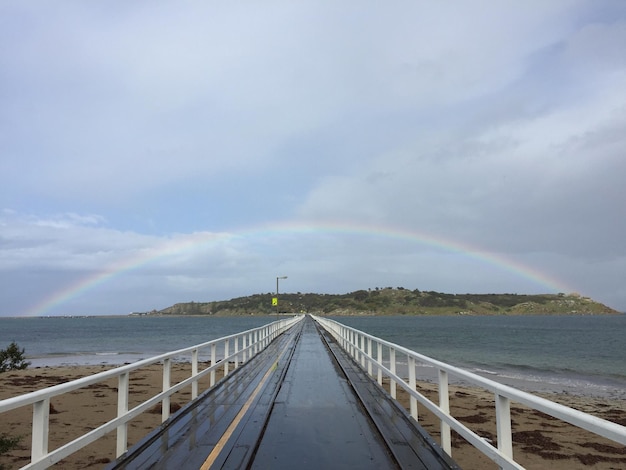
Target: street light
{"x":277,"y":278}
{"x":277,"y":317}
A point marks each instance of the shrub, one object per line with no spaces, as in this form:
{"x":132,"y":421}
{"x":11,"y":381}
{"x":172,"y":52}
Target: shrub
{"x":7,"y":444}
{"x":12,"y":358}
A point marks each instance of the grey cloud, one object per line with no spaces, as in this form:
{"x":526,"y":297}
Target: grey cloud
{"x":500,"y":128}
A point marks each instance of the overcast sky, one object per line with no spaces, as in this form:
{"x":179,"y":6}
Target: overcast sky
{"x":158,"y":152}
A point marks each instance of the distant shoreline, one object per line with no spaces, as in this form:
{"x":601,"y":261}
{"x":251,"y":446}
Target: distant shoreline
{"x":321,"y":314}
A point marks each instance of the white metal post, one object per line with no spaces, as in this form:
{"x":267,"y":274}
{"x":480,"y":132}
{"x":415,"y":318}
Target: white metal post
{"x":167,"y":383}
{"x":41,"y":423}
{"x":213,"y":359}
{"x":194,"y":372}
{"x":444,"y":404}
{"x":503,"y":425}
{"x":369,"y":356}
{"x":379,"y":358}
{"x":361,"y":345}
{"x":392,"y":367}
{"x":225,"y":360}
{"x":122,"y":408}
{"x":412,"y":384}
{"x":352,"y":349}
{"x":244,"y":351}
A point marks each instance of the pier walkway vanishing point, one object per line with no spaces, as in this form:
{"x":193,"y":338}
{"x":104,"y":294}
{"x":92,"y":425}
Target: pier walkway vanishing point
{"x":291,"y":407}
{"x":302,"y":392}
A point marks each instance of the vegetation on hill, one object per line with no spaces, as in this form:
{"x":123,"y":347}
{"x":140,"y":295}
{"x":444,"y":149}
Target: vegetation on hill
{"x":396,"y":301}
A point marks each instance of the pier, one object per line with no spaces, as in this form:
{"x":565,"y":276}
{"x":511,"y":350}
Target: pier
{"x":294,"y":406}
{"x":302,"y":392}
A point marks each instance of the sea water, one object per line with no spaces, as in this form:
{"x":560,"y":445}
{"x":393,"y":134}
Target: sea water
{"x":577,"y":354}
{"x":55,"y":341}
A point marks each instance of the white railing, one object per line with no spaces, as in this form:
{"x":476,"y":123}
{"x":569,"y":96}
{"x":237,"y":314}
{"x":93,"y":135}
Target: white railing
{"x":367,"y":350}
{"x":233,"y":350}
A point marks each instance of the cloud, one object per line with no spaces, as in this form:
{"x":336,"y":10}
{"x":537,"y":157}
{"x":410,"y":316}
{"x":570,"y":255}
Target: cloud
{"x":129,"y":129}
{"x":524,"y":182}
{"x":139,"y":98}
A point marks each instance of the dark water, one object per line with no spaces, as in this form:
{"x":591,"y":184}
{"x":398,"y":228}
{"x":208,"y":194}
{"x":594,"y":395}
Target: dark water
{"x":581,"y":354}
{"x":584,"y":354}
{"x":94,"y":340}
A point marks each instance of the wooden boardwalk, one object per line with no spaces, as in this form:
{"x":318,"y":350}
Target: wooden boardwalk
{"x":301,"y":403}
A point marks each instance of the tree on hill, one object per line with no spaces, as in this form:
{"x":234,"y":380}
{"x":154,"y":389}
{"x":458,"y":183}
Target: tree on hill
{"x":396,"y":301}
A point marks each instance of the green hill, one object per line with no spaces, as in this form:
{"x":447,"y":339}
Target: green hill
{"x":396,"y":301}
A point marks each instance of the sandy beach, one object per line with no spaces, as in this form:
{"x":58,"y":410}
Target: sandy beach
{"x":75,"y":413}
{"x":539,"y":441}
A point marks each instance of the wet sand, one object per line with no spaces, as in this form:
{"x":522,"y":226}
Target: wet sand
{"x":539,"y":441}
{"x":77,"y":412}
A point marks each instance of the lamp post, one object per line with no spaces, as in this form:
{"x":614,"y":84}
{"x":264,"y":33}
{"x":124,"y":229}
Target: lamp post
{"x":277,"y":278}
{"x":277,"y":317}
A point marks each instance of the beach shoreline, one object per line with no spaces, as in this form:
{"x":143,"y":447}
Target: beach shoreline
{"x":539,"y":439}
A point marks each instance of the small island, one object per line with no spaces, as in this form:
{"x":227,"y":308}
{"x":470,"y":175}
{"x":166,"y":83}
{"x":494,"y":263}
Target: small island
{"x":395,"y":301}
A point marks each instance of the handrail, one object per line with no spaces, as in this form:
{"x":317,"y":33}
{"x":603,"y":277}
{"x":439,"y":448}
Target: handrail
{"x":360,"y":346}
{"x":245,"y":345}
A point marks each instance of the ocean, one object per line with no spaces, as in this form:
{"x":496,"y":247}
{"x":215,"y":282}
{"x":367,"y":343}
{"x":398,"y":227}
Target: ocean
{"x":583,"y":355}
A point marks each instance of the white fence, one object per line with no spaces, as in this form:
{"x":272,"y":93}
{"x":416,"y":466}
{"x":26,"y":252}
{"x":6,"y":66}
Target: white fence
{"x":233,"y":350}
{"x":367,"y":350}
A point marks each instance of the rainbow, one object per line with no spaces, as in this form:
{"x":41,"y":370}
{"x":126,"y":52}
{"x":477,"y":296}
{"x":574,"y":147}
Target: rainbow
{"x":189,"y":243}
{"x":171,"y":247}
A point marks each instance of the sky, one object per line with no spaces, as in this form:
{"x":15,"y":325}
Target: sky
{"x":157,"y":152}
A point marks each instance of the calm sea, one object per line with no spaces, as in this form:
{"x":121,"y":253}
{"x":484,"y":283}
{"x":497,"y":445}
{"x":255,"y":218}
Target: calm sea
{"x":577,"y":354}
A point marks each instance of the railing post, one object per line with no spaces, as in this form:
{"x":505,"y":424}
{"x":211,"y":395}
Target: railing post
{"x":412,"y":384}
{"x":352,"y":345}
{"x":236,"y":351}
{"x":244,"y":351}
{"x":369,"y":356}
{"x":503,"y":425}
{"x":248,"y":354}
{"x":392,"y":368}
{"x":213,"y":359}
{"x":41,"y":423}
{"x":342,"y":336}
{"x":225,"y":360}
{"x":379,"y":359}
{"x":194,"y":372}
{"x":348,"y":340}
{"x":167,"y":383}
{"x":444,"y":404}
{"x":361,"y":344}
{"x":122,"y":408}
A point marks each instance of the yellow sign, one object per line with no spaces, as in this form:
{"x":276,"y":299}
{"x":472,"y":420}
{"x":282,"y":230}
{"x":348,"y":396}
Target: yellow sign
{"x":274,"y":301}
